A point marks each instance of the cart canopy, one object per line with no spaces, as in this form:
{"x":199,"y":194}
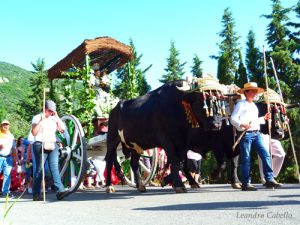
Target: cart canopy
{"x":107,"y":52}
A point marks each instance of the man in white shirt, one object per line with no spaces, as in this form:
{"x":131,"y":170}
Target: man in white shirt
{"x":245,"y":118}
{"x":44,"y":127}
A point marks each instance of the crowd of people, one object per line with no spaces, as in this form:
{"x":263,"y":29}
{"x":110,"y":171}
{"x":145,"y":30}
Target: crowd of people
{"x":21,"y":160}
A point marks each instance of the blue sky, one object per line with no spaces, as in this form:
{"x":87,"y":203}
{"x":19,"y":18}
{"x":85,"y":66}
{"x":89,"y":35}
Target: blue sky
{"x":52,"y":29}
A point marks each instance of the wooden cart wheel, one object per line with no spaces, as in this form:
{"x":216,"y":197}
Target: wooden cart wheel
{"x":72,"y":160}
{"x":147,"y":170}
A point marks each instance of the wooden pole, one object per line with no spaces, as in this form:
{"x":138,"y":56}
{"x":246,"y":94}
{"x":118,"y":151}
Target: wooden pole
{"x":268,"y":104}
{"x":43,"y":157}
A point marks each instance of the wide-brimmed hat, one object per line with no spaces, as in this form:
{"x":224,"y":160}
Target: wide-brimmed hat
{"x":5,"y":122}
{"x":49,"y":104}
{"x":250,"y":86}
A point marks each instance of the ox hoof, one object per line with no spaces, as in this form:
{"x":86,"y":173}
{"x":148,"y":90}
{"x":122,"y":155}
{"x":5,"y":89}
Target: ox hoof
{"x":162,"y":183}
{"x":110,"y":189}
{"x":180,"y":190}
{"x":195,"y":186}
{"x":236,"y":186}
{"x":142,"y":189}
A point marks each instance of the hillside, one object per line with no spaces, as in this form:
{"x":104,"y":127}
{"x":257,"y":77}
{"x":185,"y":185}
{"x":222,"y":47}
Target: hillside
{"x":14,"y":86}
{"x":14,"y":83}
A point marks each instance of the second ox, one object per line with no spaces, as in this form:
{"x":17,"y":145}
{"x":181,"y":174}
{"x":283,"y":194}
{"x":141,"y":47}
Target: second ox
{"x":160,"y":118}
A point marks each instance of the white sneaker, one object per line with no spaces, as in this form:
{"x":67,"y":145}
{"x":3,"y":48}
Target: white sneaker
{"x":29,"y":190}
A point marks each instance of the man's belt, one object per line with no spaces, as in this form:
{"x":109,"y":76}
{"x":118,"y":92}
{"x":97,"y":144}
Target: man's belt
{"x":5,"y":156}
{"x":252,"y":131}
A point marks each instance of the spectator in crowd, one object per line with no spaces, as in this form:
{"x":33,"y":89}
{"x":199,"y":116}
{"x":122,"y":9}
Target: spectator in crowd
{"x":44,"y":127}
{"x":278,"y":155}
{"x":8,"y":156}
{"x":194,"y":164}
{"x":20,"y":163}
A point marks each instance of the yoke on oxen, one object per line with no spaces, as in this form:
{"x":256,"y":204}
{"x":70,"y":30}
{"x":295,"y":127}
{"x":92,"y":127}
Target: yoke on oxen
{"x":213,"y":90}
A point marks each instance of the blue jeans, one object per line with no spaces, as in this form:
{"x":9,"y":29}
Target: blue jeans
{"x":254,"y":139}
{"x":52,"y":157}
{"x":5,"y":166}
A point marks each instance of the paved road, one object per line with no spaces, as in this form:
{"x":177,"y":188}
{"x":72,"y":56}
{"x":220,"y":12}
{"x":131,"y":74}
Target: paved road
{"x":211,"y":204}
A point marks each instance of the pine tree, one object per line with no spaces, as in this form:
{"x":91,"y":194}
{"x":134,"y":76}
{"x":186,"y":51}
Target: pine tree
{"x":131,"y":80}
{"x":33,"y":103}
{"x":196,"y":68}
{"x":229,"y":52}
{"x":174,"y":69}
{"x":276,"y":30}
{"x":241,"y":74}
{"x":254,"y":61}
{"x":295,"y":35}
{"x":277,"y":38}
{"x":38,"y":83}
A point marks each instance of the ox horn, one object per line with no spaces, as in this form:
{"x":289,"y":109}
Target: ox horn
{"x":185,"y":86}
{"x":290,"y":106}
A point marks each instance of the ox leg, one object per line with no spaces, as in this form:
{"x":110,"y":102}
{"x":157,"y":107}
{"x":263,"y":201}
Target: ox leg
{"x":178,"y":185}
{"x":119,"y":172}
{"x":217,"y":173}
{"x":189,"y":177}
{"x":110,"y":158}
{"x":235,"y":182}
{"x":134,"y":163}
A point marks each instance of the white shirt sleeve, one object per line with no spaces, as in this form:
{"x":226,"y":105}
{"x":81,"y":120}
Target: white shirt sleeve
{"x":235,"y":116}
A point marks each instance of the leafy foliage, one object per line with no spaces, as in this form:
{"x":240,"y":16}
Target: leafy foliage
{"x":78,"y":97}
{"x":131,"y":80}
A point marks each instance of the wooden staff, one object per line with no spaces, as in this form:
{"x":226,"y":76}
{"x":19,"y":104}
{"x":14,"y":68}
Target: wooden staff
{"x":268,"y":104}
{"x":43,"y":157}
{"x":288,"y":125}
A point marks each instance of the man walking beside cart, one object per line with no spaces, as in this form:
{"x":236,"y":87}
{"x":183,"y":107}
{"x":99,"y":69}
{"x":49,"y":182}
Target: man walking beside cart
{"x":44,"y":127}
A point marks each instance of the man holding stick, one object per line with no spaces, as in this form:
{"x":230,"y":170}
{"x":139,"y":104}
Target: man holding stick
{"x":245,"y":119}
{"x":44,"y":127}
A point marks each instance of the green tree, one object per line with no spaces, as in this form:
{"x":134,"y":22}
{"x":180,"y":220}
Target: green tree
{"x":38,"y":83}
{"x":131,"y":80}
{"x":229,"y":51}
{"x":241,"y":74}
{"x":33,"y":103}
{"x":197,"y":71}
{"x":174,"y":69}
{"x":295,"y":34}
{"x":281,"y":48}
{"x":254,"y":61}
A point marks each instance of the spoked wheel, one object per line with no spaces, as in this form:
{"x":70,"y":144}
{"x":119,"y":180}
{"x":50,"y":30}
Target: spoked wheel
{"x":72,"y":161}
{"x":147,"y":167}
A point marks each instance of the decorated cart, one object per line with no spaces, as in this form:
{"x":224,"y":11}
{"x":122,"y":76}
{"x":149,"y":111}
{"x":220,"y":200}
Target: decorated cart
{"x":108,"y":55}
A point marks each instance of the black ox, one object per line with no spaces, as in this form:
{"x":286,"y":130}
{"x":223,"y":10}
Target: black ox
{"x":160,"y":118}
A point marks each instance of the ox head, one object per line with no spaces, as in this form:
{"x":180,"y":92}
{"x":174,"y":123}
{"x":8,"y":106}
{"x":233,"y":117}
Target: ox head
{"x":278,"y":112}
{"x":279,"y":119}
{"x":205,"y":107}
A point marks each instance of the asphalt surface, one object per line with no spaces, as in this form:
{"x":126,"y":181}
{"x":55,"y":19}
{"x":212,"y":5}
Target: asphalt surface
{"x":211,"y":204}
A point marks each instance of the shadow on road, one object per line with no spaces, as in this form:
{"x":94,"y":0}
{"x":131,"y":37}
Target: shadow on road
{"x":221,"y":205}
